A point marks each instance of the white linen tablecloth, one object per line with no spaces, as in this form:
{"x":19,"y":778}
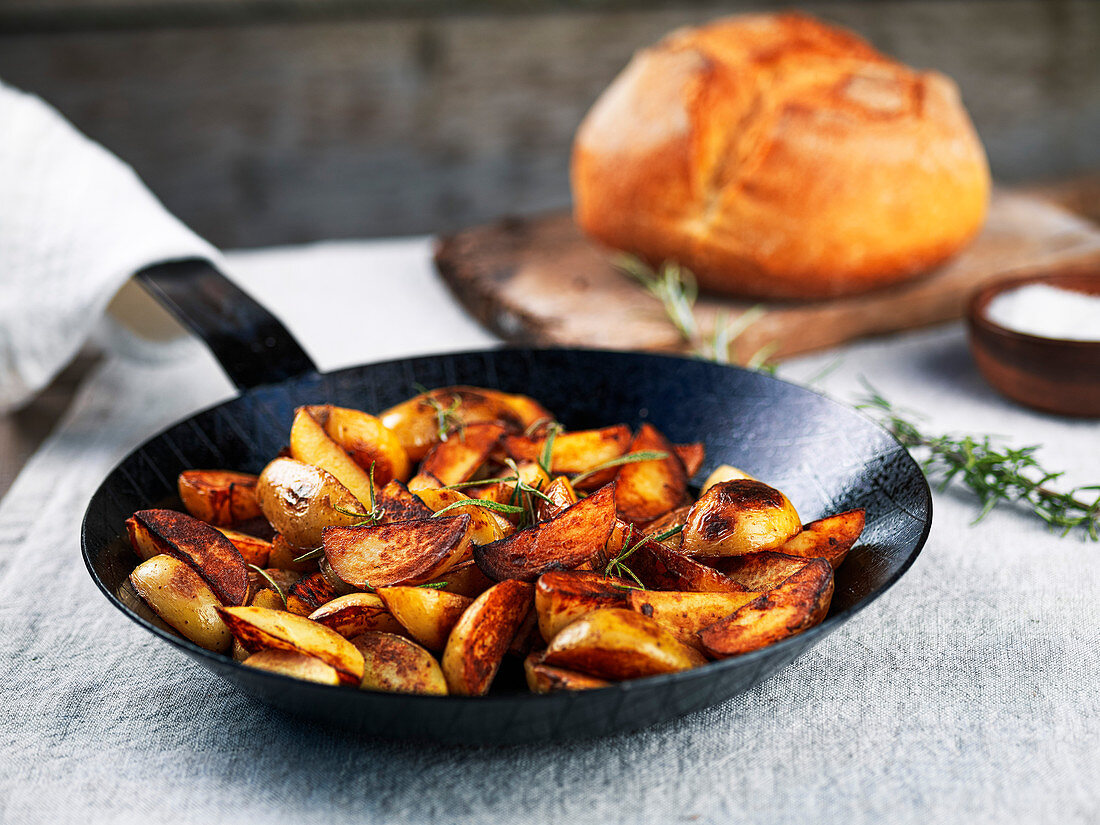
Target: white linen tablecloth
{"x":968,"y":693}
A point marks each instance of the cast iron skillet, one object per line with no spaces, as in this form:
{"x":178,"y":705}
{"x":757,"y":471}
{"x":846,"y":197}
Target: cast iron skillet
{"x":825,"y":456}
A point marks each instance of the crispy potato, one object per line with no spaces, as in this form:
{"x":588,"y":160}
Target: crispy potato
{"x":615,"y":643}
{"x":459,"y":457}
{"x":673,"y":518}
{"x":309,"y":593}
{"x":645,"y":490}
{"x":485,"y":525}
{"x":482,"y":635}
{"x":405,"y":552}
{"x":684,"y":614}
{"x":355,"y":614}
{"x":393,"y":664}
{"x":294,"y":664}
{"x":661,"y":568}
{"x":738,"y":517}
{"x":238,"y":652}
{"x":576,"y":452}
{"x":253,"y":550}
{"x":284,"y":578}
{"x":576,"y":536}
{"x":259,"y":629}
{"x":465,"y":579}
{"x":311,"y":444}
{"x":268,"y":598}
{"x":828,"y":538}
{"x":366,"y":440}
{"x":543,"y":678}
{"x":563,"y":596}
{"x":416,"y":422}
{"x":692,"y":455}
{"x":398,"y":503}
{"x":300,"y":500}
{"x":427,"y":614}
{"x":424,"y":481}
{"x":183,"y":600}
{"x":219,"y":497}
{"x":285,"y":557}
{"x":196,"y":543}
{"x":796,"y":605}
{"x":561,"y":497}
{"x":530,"y":473}
{"x":759,"y":571}
{"x":527,"y":636}
{"x":724,"y":472}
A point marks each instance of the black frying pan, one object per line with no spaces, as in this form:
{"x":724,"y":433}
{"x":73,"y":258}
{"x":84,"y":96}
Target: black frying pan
{"x":825,"y":456}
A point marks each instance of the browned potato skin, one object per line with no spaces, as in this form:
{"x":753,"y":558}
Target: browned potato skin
{"x":253,"y":550}
{"x":366,"y":440}
{"x":692,"y":455}
{"x":563,"y":596}
{"x":393,"y":664}
{"x":737,"y":517}
{"x":179,"y":596}
{"x":798,"y":604}
{"x":427,"y":614}
{"x":294,"y":664}
{"x":482,"y":635}
{"x":300,"y":500}
{"x":565,"y":541}
{"x":309,"y":593}
{"x":461,"y":455}
{"x":661,"y":568}
{"x":828,"y":538}
{"x":645,"y":490}
{"x":465,"y":579}
{"x":759,"y":571}
{"x":416,"y":424}
{"x":196,"y":543}
{"x":405,"y":552}
{"x":619,"y":644}
{"x":684,"y":614}
{"x":259,"y":629}
{"x":673,"y":518}
{"x":355,"y":614}
{"x":310,"y":443}
{"x":562,"y":496}
{"x":399,"y":504}
{"x":576,"y":452}
{"x":219,"y":497}
{"x":284,"y":557}
{"x":544,"y":678}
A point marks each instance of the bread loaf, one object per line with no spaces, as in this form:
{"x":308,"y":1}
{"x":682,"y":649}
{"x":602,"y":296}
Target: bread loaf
{"x":779,"y":157}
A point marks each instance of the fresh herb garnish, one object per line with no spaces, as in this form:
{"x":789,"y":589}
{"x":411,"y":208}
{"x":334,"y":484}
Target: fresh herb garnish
{"x":669,"y":533}
{"x":546,"y":458}
{"x":447,"y":418}
{"x":488,"y":504}
{"x":617,"y":566}
{"x":274,"y":584}
{"x":433,"y":585}
{"x":629,"y":458}
{"x":315,"y":553}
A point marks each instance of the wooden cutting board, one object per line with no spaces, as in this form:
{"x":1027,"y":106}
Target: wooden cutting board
{"x":538,"y":280}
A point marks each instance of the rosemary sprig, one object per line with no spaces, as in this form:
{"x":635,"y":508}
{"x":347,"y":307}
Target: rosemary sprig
{"x":618,"y":567}
{"x":315,"y":553}
{"x":669,"y":533}
{"x":433,"y":585}
{"x":545,"y":460}
{"x":488,"y":504}
{"x":447,"y":418}
{"x":629,"y":458}
{"x":995,"y":473}
{"x":274,"y":584}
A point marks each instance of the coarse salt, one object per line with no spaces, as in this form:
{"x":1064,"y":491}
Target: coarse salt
{"x":1048,"y":312}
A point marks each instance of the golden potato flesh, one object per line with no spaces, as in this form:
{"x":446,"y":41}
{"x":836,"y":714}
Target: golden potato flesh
{"x":563,"y":596}
{"x":561,"y":496}
{"x":485,"y":525}
{"x":459,"y":457}
{"x":355,"y":614}
{"x":737,"y":517}
{"x":620,"y":644}
{"x":645,"y":490}
{"x":310,"y":444}
{"x":301,"y":500}
{"x":268,"y":598}
{"x":429,"y":615}
{"x":575,"y":452}
{"x":479,"y":640}
{"x":294,"y":664}
{"x":684,"y":614}
{"x":393,"y":664}
{"x":183,"y":600}
{"x":466,"y":579}
{"x":366,"y":440}
{"x":219,"y":497}
{"x":828,"y":538}
{"x":253,"y":550}
{"x":724,"y":472}
{"x":544,"y":678}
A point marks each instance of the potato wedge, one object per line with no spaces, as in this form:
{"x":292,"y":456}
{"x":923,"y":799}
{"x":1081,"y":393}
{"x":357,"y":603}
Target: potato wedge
{"x":405,"y":552}
{"x":661,"y":568}
{"x":268,"y":598}
{"x":645,"y":490}
{"x":466,"y":579}
{"x":195,"y":542}
{"x":544,"y":678}
{"x":428,"y":615}
{"x":482,"y":635}
{"x":738,"y":517}
{"x":366,"y":440}
{"x":460,"y":456}
{"x":398,"y":503}
{"x":417,"y":422}
{"x":485,"y":525}
{"x":283,"y":578}
{"x":576,"y":452}
{"x":309,"y":593}
{"x":530,"y":473}
{"x":355,"y":614}
{"x":177,"y":594}
{"x":563,"y":596}
{"x":828,"y":538}
{"x":561,"y":497}
{"x":253,"y":550}
{"x":310,"y":443}
{"x":285,"y":557}
{"x":684,"y":614}
{"x":797,"y":604}
{"x":393,"y":664}
{"x":616,"y":643}
{"x":294,"y":664}
{"x":259,"y":629}
{"x":759,"y":571}
{"x":671,"y":519}
{"x":692,"y":455}
{"x":219,"y":497}
{"x":565,"y":541}
{"x":300,"y":500}
{"x":724,"y":472}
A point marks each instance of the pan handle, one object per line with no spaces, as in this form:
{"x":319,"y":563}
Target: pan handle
{"x":251,"y":344}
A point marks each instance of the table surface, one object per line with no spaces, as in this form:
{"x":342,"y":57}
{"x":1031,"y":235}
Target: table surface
{"x":967,"y":693}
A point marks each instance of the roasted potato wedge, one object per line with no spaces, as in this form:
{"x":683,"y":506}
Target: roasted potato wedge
{"x":309,"y":593}
{"x":195,"y":542}
{"x":671,"y":519}
{"x":427,"y":614}
{"x":466,"y":579}
{"x":301,"y":500}
{"x":576,"y":452}
{"x":684,"y":614}
{"x":485,"y":525}
{"x":737,"y":517}
{"x":355,"y":614}
{"x":259,"y":629}
{"x":563,"y":596}
{"x":530,"y":473}
{"x":645,"y":490}
{"x":661,"y":568}
{"x":398,"y":503}
{"x":268,"y":598}
{"x":828,"y":538}
{"x":482,"y":635}
{"x":310,"y":443}
{"x":294,"y":664}
{"x":692,"y":455}
{"x":459,"y":457}
{"x":253,"y":550}
{"x":565,"y":541}
{"x":616,"y":643}
{"x":393,"y":664}
{"x":759,"y":571}
{"x":177,"y":594}
{"x":283,"y":578}
{"x":544,"y":678}
{"x":797,"y":604}
{"x":285,"y":557}
{"x":366,"y":440}
{"x":405,"y":552}
{"x":219,"y":497}
{"x":724,"y":472}
{"x":561,"y":497}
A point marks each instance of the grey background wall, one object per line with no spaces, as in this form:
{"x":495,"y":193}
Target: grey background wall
{"x":278,"y":121}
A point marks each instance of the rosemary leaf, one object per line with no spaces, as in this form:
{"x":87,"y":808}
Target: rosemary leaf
{"x":433,"y":585}
{"x":669,"y":533}
{"x":315,"y":553}
{"x":488,"y":504}
{"x":629,"y":458}
{"x":274,"y":584}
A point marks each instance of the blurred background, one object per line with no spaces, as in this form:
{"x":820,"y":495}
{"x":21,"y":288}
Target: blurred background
{"x":264,"y":122}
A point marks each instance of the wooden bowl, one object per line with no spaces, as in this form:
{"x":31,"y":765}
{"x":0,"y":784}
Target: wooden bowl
{"x":1049,"y":374}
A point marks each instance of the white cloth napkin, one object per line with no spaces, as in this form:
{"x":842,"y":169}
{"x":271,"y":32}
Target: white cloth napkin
{"x":75,"y":224}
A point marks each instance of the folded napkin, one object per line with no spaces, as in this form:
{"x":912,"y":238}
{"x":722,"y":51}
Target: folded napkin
{"x":75,"y":224}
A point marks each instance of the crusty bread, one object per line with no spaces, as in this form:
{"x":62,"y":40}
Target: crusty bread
{"x":778,"y":157}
